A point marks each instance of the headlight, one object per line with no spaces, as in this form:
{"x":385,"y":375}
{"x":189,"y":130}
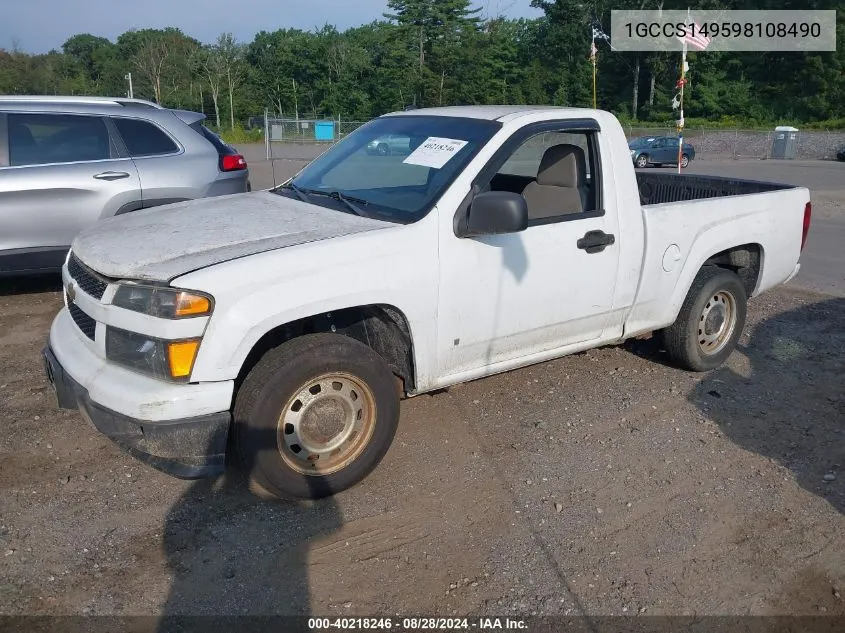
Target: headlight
{"x":166,"y":360}
{"x":163,"y":302}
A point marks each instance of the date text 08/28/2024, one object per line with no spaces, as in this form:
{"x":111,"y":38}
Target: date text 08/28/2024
{"x":416,"y":624}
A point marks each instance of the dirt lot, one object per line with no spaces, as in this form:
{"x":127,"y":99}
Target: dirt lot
{"x":603,"y":483}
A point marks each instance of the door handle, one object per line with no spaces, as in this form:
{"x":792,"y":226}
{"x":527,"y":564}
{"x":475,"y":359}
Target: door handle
{"x":111,"y":175}
{"x":596,"y":241}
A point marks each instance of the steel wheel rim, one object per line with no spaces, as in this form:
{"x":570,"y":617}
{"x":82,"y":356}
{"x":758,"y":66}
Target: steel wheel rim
{"x":336,"y":402}
{"x":717,"y":322}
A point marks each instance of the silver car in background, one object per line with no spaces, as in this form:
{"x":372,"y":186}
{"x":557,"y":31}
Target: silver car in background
{"x":66,"y":162}
{"x":390,"y":144}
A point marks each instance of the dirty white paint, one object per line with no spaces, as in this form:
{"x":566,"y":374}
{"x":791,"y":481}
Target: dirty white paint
{"x":164,"y":242}
{"x":474,"y":306}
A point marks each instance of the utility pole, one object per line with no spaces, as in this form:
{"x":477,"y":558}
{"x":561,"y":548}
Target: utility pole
{"x":131,"y":92}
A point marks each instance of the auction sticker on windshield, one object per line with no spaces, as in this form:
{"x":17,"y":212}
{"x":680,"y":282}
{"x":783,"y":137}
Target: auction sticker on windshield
{"x":434,"y":152}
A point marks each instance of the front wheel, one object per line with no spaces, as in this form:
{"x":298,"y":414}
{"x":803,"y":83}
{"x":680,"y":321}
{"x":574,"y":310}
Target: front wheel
{"x":642,"y":161}
{"x":710,"y":321}
{"x":315,"y":416}
{"x":684,"y":161}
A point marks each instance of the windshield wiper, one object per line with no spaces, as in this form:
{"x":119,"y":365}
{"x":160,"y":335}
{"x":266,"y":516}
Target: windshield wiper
{"x":299,"y":192}
{"x":349,"y":201}
{"x":350,"y":204}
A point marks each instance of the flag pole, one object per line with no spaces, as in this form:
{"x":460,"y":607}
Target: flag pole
{"x":593,"y":54}
{"x":682,"y":82}
{"x":681,"y":120}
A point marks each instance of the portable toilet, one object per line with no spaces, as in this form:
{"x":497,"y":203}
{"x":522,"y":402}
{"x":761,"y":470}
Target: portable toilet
{"x":324,"y":131}
{"x":785,"y":142}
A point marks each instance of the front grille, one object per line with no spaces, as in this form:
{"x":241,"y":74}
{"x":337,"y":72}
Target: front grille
{"x":82,"y":320}
{"x":88,"y":282}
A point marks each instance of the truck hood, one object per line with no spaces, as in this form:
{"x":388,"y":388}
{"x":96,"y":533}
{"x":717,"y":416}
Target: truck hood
{"x":165,"y":242}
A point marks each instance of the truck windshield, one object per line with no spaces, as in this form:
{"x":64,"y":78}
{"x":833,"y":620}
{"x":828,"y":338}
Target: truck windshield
{"x":393,"y":168}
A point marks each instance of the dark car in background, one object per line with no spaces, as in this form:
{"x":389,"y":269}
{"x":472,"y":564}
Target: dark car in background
{"x":659,"y":150}
{"x":840,"y":155}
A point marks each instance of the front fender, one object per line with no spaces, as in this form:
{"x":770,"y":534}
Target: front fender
{"x":231,"y":336}
{"x":256,"y":294}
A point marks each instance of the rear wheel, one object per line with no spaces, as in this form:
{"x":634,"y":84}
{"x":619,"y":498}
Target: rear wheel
{"x":642,"y":161}
{"x":315,"y":416}
{"x":710,"y":321}
{"x":684,"y":161}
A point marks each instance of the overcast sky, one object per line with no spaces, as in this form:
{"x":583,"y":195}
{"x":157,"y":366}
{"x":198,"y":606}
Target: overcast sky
{"x":36,"y":26}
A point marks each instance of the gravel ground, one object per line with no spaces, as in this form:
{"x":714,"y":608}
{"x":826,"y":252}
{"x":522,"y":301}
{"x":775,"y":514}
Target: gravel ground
{"x":603,"y":483}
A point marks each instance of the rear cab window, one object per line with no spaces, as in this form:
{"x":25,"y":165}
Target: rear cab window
{"x":143,"y":138}
{"x":45,"y":139}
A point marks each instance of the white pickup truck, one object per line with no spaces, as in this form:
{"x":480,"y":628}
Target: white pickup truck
{"x":292,"y":321}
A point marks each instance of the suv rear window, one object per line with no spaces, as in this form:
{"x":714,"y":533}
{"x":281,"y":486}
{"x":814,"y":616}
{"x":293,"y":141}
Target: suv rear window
{"x":142,"y":138}
{"x":211,"y":137}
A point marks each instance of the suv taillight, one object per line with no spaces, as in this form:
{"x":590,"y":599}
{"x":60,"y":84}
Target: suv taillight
{"x":232,"y":162}
{"x":808,"y":211}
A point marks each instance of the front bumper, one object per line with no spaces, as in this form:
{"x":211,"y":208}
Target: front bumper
{"x":188,"y":448}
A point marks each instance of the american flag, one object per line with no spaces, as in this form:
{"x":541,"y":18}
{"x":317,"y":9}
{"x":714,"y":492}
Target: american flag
{"x":694,"y":38}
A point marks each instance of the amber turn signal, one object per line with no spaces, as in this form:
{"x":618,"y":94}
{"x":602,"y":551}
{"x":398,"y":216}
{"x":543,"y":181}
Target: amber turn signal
{"x":188,"y":304}
{"x":181,"y":356}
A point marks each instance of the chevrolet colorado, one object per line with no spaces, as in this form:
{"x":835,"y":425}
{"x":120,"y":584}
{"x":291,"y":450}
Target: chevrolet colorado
{"x":281,"y":328}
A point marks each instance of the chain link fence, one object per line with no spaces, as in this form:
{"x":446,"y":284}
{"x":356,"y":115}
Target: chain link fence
{"x":757,"y":144}
{"x":303,"y":139}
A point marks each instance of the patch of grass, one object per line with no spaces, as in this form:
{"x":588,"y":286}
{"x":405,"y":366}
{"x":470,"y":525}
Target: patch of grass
{"x":239,"y":136}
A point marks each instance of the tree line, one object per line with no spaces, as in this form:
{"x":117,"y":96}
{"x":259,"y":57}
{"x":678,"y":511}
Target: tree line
{"x":443,"y":52}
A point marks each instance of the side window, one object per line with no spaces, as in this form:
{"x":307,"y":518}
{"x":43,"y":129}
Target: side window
{"x":659,"y":143}
{"x":555,"y":172}
{"x":142,"y":138}
{"x":41,"y":139}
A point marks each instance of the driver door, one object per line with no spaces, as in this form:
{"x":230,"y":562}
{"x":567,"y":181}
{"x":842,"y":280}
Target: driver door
{"x":505,"y":297}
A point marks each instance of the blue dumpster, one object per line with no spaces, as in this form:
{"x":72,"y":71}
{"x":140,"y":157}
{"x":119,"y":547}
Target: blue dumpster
{"x":324,"y":130}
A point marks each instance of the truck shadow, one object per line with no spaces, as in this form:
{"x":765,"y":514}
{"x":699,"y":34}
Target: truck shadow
{"x":788,"y":404}
{"x":232,"y":554}
{"x":30,"y":284}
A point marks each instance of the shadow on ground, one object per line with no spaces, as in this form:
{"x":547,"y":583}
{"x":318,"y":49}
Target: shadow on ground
{"x":30,"y":284}
{"x":787,"y":402}
{"x":233,"y":554}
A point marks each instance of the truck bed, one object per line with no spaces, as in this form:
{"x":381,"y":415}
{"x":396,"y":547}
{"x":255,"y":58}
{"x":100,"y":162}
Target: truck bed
{"x":659,"y":188}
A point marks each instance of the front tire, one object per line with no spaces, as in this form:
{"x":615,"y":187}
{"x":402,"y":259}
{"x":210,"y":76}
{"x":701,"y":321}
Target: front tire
{"x":710,"y":321}
{"x":642,"y":161}
{"x":315,"y":416}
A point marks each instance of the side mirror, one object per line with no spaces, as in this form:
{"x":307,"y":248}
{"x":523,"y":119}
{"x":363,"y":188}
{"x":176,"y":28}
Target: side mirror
{"x":496,"y":212}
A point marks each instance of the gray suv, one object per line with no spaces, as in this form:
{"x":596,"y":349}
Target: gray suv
{"x":66,"y":162}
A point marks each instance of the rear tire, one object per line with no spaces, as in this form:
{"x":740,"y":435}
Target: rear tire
{"x":684,"y":161}
{"x":315,"y":416}
{"x":710,"y":321}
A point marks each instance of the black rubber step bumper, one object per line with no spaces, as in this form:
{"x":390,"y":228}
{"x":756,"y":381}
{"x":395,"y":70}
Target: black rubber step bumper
{"x":188,"y":448}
